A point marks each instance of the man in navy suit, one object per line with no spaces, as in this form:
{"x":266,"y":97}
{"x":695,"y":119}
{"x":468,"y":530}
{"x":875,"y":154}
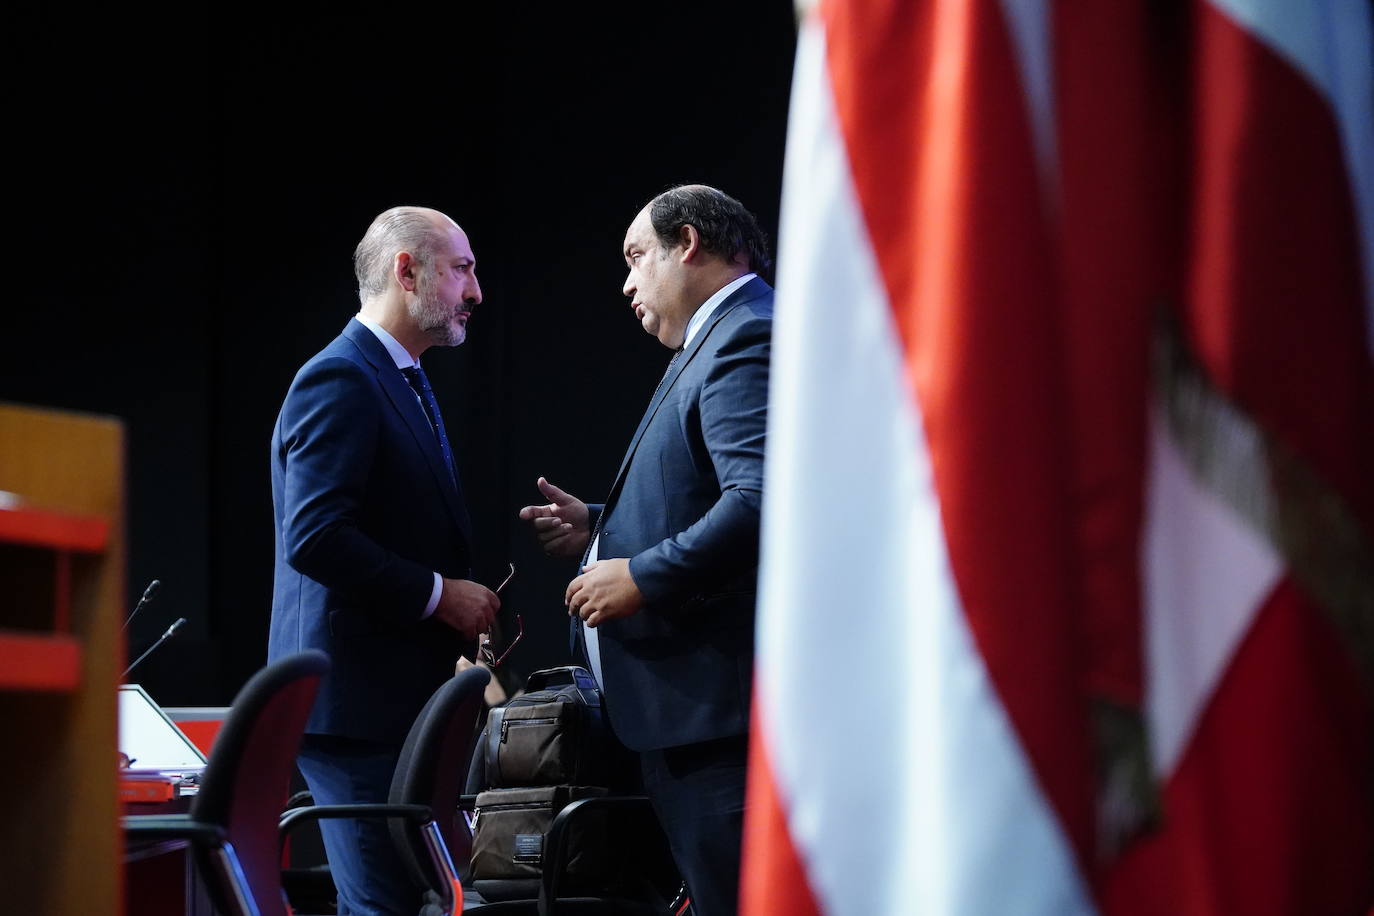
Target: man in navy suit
{"x":373,"y":541}
{"x":664,"y":605}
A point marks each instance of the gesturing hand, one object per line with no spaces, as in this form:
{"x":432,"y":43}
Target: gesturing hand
{"x":468,"y":607}
{"x":604,"y":591}
{"x":562,"y":526}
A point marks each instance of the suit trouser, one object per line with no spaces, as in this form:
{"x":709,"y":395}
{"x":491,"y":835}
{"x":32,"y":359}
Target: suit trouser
{"x":698,"y":793}
{"x":367,"y":871}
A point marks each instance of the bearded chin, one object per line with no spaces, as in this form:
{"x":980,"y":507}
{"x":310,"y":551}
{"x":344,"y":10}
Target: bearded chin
{"x":435,"y":319}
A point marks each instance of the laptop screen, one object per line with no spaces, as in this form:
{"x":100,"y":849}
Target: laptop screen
{"x":150,"y":739}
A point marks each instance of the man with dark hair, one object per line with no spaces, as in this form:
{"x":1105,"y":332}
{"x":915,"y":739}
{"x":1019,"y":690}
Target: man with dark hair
{"x":373,"y":540}
{"x":664,"y":606}
{"x":727,"y":229}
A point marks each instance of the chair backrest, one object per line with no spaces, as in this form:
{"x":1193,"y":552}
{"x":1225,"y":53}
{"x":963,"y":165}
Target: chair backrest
{"x":250,"y":767}
{"x":433,"y":767}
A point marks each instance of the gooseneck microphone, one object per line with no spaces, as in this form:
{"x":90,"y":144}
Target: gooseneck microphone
{"x":148,"y":594}
{"x":171,"y":631}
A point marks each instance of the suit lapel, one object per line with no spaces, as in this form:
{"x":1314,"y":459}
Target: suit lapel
{"x":747,"y":293}
{"x":404,"y":400}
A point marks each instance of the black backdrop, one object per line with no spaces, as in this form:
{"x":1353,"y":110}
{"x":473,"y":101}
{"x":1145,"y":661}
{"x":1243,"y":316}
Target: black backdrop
{"x":187,"y":195}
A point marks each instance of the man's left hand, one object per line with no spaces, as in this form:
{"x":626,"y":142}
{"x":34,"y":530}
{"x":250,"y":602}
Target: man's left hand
{"x":604,"y":591}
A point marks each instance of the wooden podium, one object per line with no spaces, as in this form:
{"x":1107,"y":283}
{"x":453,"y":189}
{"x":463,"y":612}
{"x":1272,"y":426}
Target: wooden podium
{"x":61,"y":647}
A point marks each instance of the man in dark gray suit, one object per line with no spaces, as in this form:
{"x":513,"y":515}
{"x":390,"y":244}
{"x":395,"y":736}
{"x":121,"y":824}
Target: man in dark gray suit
{"x":372,"y":538}
{"x":664,"y":605}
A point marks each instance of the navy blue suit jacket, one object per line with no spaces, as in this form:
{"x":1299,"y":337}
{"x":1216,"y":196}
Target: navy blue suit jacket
{"x":366,"y":512}
{"x":684,"y":508}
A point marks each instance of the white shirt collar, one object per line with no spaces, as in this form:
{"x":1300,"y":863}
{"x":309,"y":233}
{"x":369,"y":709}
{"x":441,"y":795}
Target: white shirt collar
{"x":710,"y":305}
{"x":399,"y":353}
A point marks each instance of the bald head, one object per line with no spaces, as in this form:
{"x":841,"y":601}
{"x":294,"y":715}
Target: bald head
{"x":418,"y":230}
{"x":417,"y":278}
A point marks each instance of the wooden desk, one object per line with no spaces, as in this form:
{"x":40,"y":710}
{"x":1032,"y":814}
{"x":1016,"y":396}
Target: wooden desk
{"x":61,"y":651}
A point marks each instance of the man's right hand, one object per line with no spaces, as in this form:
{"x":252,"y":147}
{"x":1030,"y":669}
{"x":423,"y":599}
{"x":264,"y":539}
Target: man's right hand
{"x":469,"y":607}
{"x":563,"y":525}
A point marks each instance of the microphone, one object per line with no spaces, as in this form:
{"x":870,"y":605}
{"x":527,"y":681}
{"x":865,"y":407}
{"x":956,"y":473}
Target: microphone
{"x":171,"y":631}
{"x":148,"y":594}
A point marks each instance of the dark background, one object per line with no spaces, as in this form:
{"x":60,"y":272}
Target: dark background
{"x":192,"y":191}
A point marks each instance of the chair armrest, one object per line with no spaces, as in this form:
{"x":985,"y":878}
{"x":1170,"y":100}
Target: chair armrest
{"x":298,"y":800}
{"x":415,"y":813}
{"x":171,"y":827}
{"x":556,"y":841}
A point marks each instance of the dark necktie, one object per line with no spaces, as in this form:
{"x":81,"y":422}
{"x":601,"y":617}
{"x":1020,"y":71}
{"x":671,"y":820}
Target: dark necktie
{"x":666,"y":372}
{"x":420,"y":383}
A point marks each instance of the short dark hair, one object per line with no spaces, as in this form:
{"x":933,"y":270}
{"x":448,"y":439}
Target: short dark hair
{"x":727,"y":230}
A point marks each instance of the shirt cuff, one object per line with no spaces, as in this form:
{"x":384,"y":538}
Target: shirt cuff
{"x":434,"y":596}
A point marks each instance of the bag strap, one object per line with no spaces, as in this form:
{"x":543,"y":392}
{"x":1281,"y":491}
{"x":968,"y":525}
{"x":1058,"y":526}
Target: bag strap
{"x":567,"y":674}
{"x":493,"y":748}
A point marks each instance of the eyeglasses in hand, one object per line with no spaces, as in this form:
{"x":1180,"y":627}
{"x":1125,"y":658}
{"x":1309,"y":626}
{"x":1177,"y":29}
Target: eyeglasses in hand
{"x":484,"y":649}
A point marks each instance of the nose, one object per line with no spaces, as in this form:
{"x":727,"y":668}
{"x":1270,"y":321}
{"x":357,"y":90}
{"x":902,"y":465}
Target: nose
{"x":629,"y":287}
{"x":473,"y":294}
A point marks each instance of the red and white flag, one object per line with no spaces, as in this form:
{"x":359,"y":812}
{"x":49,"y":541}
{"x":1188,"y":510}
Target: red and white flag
{"x":1258,"y":554}
{"x":1067,"y":596}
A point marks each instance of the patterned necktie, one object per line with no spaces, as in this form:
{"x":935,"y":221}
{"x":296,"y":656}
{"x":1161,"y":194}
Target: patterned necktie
{"x":666,"y":372}
{"x":420,"y":383}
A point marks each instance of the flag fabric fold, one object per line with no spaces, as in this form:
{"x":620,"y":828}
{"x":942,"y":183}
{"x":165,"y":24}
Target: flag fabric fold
{"x":1066,"y":596}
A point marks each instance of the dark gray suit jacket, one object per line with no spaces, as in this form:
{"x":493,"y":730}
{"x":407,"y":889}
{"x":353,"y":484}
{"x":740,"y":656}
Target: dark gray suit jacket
{"x":685,"y":508}
{"x":366,"y":512}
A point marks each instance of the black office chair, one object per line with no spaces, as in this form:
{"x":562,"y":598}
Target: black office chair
{"x":232,"y":824}
{"x":422,"y":806}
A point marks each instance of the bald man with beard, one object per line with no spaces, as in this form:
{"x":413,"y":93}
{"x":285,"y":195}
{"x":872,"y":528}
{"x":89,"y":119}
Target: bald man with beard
{"x":373,"y":541}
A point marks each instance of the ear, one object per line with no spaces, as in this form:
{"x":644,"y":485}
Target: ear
{"x":689,"y":240}
{"x":406,"y":270}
